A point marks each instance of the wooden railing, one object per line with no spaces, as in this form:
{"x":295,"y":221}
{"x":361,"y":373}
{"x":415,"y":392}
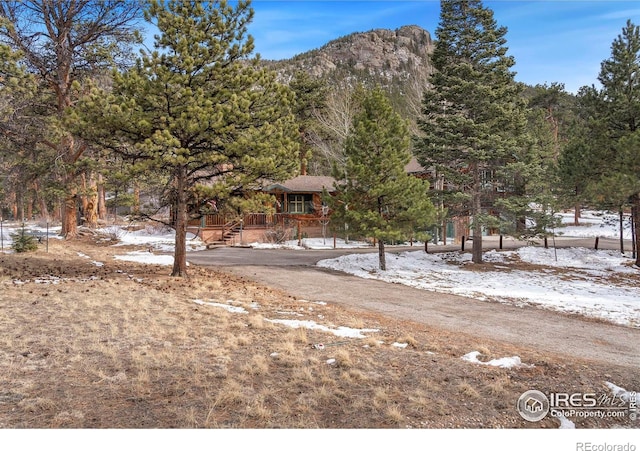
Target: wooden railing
{"x":250,"y":220}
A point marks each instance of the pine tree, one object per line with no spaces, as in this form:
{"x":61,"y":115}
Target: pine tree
{"x":63,"y":41}
{"x":618,"y":115}
{"x":199,"y":112}
{"x":309,"y":103}
{"x":528,"y":208}
{"x":473,"y":113}
{"x":24,"y":126}
{"x":375,"y":196}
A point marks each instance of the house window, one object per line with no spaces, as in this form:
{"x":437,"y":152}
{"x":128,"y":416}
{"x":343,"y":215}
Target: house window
{"x":300,"y":203}
{"x":486,"y":179}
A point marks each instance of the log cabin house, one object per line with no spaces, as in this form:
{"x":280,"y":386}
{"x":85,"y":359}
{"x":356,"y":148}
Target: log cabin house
{"x":299,"y":212}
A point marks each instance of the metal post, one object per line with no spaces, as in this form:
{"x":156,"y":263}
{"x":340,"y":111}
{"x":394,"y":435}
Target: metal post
{"x":621,"y":232}
{"x":634,"y":212}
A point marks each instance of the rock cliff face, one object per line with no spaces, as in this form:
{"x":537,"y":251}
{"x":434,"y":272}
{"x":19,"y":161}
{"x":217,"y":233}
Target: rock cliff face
{"x":397,"y":60}
{"x":377,"y":55}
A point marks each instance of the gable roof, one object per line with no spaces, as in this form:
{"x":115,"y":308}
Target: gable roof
{"x":304,"y":184}
{"x":413,"y":167}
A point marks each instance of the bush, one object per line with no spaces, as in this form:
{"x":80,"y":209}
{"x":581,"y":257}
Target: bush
{"x":23,"y":242}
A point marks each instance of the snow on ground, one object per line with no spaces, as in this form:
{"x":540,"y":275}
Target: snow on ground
{"x":340,"y":331}
{"x":99,"y":264}
{"x":621,"y":393}
{"x":564,"y":422}
{"x":312,"y":243}
{"x":159,"y":238}
{"x":228,"y":307}
{"x":156,"y":239}
{"x":583,"y":289}
{"x":504,"y":362}
{"x":594,"y":224}
{"x":11,"y":227}
{"x":146,"y":257}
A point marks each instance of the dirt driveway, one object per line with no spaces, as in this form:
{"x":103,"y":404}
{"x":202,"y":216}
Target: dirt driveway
{"x":542,"y":330}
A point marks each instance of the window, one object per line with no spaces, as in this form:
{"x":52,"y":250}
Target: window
{"x":486,"y":179}
{"x":300,"y":203}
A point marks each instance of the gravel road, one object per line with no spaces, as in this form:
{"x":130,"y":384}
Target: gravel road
{"x":543,"y":330}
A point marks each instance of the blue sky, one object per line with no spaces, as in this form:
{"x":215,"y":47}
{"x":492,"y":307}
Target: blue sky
{"x":551,"y":41}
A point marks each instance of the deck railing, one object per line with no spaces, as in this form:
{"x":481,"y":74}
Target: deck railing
{"x":250,"y":220}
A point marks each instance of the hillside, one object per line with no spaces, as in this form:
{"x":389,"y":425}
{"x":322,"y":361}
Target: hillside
{"x":378,"y":55}
{"x":398,"y":60}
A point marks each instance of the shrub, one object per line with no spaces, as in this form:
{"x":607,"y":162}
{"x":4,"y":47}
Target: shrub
{"x":23,"y":242}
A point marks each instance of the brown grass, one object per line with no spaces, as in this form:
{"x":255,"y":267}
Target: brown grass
{"x":125,"y":346}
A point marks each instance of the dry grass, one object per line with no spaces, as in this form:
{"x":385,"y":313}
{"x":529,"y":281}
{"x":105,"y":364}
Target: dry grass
{"x":125,"y":346}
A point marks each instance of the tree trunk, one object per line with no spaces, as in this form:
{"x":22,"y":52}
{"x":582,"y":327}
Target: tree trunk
{"x":19,"y":210}
{"x":84,"y":197}
{"x":70,"y":208}
{"x":136,"y":197}
{"x":92,"y":205}
{"x":180,"y":253}
{"x":576,"y":215}
{"x":381,"y":255}
{"x":30,"y":208}
{"x":72,"y":151}
{"x":70,"y":217}
{"x":44,"y":210}
{"x":102,"y":204}
{"x":14,"y":204}
{"x":476,"y":211}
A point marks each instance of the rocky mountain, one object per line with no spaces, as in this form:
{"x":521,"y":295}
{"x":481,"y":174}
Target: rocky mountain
{"x":398,"y":60}
{"x":395,"y":59}
{"x":384,"y":54}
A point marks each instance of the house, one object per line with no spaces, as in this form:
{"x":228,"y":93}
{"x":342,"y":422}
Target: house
{"x":299,"y":212}
{"x":456,"y":226}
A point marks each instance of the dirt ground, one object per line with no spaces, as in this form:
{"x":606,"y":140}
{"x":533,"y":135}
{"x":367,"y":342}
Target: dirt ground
{"x":87,"y":341}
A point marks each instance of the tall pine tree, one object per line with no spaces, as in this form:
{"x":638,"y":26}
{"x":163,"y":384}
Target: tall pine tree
{"x":619,"y":111}
{"x":375,"y":196}
{"x":63,"y":42}
{"x":473,"y":113}
{"x":199,"y":112}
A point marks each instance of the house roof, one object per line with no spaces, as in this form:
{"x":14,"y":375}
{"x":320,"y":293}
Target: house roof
{"x":413,"y":167}
{"x":304,"y":184}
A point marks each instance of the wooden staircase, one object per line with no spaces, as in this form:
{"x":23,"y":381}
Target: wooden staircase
{"x":229,"y":232}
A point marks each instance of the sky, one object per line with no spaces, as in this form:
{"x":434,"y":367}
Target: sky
{"x":551,"y":41}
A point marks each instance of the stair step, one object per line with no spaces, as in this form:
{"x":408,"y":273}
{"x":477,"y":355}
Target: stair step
{"x":214,"y":244}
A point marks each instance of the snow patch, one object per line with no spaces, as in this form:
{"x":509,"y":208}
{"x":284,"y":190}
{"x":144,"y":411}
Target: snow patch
{"x":585,"y":290}
{"x":340,"y":331}
{"x":146,"y":258}
{"x":227,"y":307}
{"x":504,"y":362}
